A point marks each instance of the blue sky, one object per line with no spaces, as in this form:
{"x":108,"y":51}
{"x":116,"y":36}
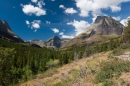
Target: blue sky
{"x":42,"y":19}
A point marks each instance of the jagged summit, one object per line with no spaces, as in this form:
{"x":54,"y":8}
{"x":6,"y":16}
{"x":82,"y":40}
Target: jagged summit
{"x":100,"y":18}
{"x":55,"y":41}
{"x":105,"y":25}
{"x":6,"y":32}
{"x":102,"y":29}
{"x":54,"y":38}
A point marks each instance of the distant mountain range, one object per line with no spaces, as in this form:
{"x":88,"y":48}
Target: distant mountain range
{"x":54,"y":42}
{"x":102,"y":29}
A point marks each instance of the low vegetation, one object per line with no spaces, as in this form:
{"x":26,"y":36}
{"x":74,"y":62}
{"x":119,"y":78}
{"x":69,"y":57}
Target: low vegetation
{"x":110,"y":69}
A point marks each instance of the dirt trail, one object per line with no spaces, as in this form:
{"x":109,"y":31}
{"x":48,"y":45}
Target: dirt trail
{"x":63,"y":71}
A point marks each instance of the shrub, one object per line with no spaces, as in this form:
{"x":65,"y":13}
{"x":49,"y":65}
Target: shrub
{"x":108,"y":83}
{"x":110,"y":69}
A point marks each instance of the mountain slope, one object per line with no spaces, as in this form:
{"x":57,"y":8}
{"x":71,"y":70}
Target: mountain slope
{"x":85,"y":71}
{"x":38,"y":42}
{"x":69,"y":73}
{"x":102,"y":29}
{"x":6,"y":32}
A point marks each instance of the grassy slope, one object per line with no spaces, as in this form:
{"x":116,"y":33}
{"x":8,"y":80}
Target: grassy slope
{"x":77,"y":72}
{"x":81,"y":72}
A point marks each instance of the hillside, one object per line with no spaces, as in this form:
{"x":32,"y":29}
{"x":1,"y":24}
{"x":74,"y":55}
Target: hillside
{"x":81,"y":73}
{"x":104,"y":64}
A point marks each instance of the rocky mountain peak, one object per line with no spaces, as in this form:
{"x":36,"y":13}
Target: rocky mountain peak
{"x":55,"y":38}
{"x":102,"y":29}
{"x":7,"y":33}
{"x":105,"y":25}
{"x":55,"y":41}
{"x":4,"y":27}
{"x":99,"y":18}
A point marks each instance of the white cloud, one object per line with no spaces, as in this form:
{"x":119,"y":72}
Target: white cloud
{"x":95,"y":6}
{"x":125,"y":21}
{"x":62,"y":6}
{"x":30,"y":9}
{"x":27,"y":22}
{"x":34,"y":1}
{"x":117,"y":18}
{"x":115,"y":8}
{"x":34,"y":24}
{"x":55,"y":30}
{"x":80,"y":26}
{"x":70,"y":11}
{"x":40,"y":3}
{"x":47,"y":22}
{"x":61,"y":33}
{"x":67,"y":36}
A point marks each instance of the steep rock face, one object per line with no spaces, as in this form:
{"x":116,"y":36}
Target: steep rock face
{"x":104,"y":25}
{"x":102,"y":29}
{"x":6,"y":32}
{"x":53,"y":42}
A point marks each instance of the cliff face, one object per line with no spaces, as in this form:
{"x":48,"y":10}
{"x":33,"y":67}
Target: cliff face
{"x":102,"y":29}
{"x":6,"y":32}
{"x":104,"y":25}
{"x":53,"y":42}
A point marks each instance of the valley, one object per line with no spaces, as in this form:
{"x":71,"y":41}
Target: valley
{"x":93,"y":58}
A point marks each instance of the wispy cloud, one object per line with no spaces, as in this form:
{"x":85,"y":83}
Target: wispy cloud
{"x":62,"y":6}
{"x":68,"y":10}
{"x":48,"y":22}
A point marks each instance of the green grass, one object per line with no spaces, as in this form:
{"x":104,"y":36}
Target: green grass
{"x":110,"y":69}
